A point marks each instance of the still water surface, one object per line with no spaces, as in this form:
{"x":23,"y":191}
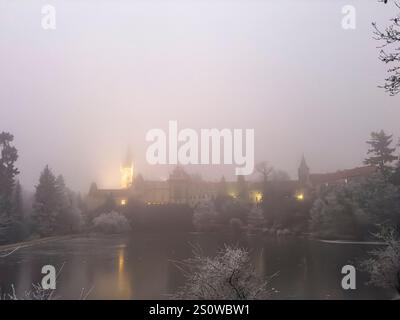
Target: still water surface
{"x":142,"y":266}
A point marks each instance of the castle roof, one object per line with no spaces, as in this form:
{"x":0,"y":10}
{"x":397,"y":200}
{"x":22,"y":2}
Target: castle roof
{"x":318,"y":178}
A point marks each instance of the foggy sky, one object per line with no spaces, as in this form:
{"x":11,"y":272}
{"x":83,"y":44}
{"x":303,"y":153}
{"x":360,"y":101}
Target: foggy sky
{"x":77,"y":97}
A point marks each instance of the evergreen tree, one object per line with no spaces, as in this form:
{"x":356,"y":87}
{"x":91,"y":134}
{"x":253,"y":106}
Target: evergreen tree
{"x":242,"y":188}
{"x":68,"y":214}
{"x":46,"y":203}
{"x":18,"y":207}
{"x":61,"y":192}
{"x":62,"y":204}
{"x":109,"y":204}
{"x":395,"y":178}
{"x":8,"y":171}
{"x":381,"y":152}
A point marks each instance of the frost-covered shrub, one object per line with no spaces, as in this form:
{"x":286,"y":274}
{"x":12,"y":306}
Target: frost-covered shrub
{"x":383,"y":266}
{"x":112,"y":222}
{"x":36,"y":293}
{"x":229,"y":275}
{"x":355,"y":208}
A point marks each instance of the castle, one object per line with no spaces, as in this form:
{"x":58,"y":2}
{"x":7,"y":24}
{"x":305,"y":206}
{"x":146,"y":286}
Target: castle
{"x":182,"y":188}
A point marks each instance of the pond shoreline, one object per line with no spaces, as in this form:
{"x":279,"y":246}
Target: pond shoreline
{"x":29,"y":243}
{"x":351,"y":242}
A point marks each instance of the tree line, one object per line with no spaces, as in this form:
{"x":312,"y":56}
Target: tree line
{"x":55,"y":209}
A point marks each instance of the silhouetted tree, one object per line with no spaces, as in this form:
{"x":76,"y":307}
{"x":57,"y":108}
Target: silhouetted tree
{"x":8,"y":171}
{"x":46,"y":203}
{"x":69,"y":216}
{"x":242,"y":188}
{"x":395,"y":178}
{"x":381,"y":152}
{"x":222,"y":187}
{"x":390,"y":39}
{"x":279,"y":175}
{"x":18,"y":206}
{"x":264,"y":169}
{"x":109,"y":204}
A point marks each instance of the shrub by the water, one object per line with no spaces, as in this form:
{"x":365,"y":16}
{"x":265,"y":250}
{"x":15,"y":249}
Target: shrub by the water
{"x":229,"y":275}
{"x":112,"y":222}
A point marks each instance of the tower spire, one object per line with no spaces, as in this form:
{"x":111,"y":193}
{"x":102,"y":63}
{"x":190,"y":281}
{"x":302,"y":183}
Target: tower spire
{"x":304,"y":172}
{"x":127,"y":170}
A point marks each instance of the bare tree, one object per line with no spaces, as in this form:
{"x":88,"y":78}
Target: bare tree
{"x":390,"y":49}
{"x":264,"y":169}
{"x":279,"y":175}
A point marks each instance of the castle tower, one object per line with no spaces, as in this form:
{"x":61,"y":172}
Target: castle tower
{"x":127,"y":171}
{"x":304,"y":173}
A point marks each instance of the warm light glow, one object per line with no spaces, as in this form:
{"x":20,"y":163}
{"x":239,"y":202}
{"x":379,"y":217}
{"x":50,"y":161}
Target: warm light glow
{"x":126,"y":176}
{"x":123,"y":202}
{"x":232,"y":194}
{"x":300,"y":196}
{"x":121,"y":261}
{"x":258,"y":197}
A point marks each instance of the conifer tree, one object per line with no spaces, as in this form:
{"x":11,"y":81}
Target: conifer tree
{"x":46,"y":203}
{"x":8,"y":172}
{"x":242,"y":188}
{"x":381,"y":154}
{"x":18,"y":207}
{"x":68,"y":213}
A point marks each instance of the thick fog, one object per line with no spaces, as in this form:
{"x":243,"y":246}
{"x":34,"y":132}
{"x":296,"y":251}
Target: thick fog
{"x":77,"y":97}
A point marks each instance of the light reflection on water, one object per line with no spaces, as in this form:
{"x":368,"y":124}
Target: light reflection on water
{"x":142,"y":266}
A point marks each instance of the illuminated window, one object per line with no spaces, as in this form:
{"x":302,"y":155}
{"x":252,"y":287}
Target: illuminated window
{"x":123,"y":202}
{"x":300,"y":196}
{"x":258,"y":197}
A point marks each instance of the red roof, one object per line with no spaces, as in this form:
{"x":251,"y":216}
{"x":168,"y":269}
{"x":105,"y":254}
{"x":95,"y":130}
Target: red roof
{"x":318,"y":178}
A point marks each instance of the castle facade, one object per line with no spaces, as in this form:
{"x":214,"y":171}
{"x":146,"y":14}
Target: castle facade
{"x":182,"y":188}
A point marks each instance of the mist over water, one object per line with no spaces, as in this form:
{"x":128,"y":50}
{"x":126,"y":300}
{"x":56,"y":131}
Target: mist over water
{"x":145,"y":266}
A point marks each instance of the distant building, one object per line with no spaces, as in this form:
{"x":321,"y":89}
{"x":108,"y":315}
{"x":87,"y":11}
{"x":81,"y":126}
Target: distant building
{"x":127,"y":172}
{"x":183,"y":188}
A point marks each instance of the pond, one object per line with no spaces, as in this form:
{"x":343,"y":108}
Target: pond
{"x":143,"y":266}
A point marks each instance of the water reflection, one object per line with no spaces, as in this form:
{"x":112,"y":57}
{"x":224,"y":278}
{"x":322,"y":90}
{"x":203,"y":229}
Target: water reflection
{"x":142,"y":266}
{"x":124,"y":283}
